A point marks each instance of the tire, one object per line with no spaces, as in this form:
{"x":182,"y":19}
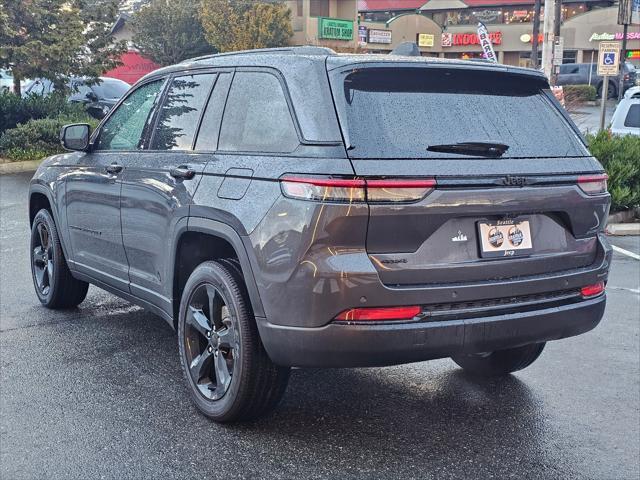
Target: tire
{"x":612,"y":91}
{"x":230,"y":376}
{"x":55,"y":286}
{"x":500,"y":362}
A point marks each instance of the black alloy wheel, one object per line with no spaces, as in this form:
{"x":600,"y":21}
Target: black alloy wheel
{"x":230,"y":375}
{"x":42,"y":259}
{"x":211,"y":342}
{"x":54,"y":284}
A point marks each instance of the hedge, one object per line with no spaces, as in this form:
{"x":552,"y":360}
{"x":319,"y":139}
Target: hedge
{"x":17,"y":110}
{"x":620,"y":156}
{"x":579,"y":93}
{"x":39,"y":138}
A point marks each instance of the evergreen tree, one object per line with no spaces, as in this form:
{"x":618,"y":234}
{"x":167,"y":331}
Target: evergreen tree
{"x":242,"y":24}
{"x":169,"y":31}
{"x":56,"y":39}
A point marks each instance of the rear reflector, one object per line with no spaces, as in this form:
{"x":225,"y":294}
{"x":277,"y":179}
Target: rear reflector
{"x":356,"y":189}
{"x":592,"y":290}
{"x":593,"y":184}
{"x":379,"y":314}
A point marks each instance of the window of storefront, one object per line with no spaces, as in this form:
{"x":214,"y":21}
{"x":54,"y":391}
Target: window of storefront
{"x":524,"y":60}
{"x":569,"y":56}
{"x":319,"y":8}
{"x":299,"y":11}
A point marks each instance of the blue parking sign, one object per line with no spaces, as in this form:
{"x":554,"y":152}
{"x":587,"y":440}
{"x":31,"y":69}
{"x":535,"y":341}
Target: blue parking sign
{"x":610,"y":58}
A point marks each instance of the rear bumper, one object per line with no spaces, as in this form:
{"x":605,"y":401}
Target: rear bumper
{"x":344,"y":345}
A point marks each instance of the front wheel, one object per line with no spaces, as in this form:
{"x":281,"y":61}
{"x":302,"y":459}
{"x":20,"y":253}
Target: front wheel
{"x":230,"y":376}
{"x":500,"y":362}
{"x":53,"y":282}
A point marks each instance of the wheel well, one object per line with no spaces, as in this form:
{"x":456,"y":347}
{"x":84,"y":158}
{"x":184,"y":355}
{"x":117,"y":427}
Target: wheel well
{"x":37,"y":202}
{"x":193,"y":249}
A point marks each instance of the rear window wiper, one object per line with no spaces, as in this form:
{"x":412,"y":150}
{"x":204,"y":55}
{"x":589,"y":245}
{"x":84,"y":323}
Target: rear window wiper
{"x":481,"y":149}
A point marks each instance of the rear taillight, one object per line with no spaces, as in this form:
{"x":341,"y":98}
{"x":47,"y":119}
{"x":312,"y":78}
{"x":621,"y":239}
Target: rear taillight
{"x":593,"y":184}
{"x":592,"y":290}
{"x":397,"y":190}
{"x":378,"y":314}
{"x":324,"y":189}
{"x":356,"y":189}
{"x":626,"y":77}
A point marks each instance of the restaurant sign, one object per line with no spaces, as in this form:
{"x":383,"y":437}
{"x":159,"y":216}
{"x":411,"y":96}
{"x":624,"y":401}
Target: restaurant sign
{"x":335,"y":29}
{"x":379,"y":36}
{"x":462,"y":39}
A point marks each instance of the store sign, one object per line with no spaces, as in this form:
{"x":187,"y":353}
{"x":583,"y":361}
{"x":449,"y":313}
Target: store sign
{"x":528,"y":38}
{"x":488,"y":16}
{"x":597,"y":37}
{"x":335,"y":29}
{"x":379,"y":36}
{"x":362,"y":35}
{"x":426,"y":40}
{"x":633,"y":54}
{"x":462,"y":39}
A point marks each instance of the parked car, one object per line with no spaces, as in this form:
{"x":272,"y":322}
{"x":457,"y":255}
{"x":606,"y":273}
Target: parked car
{"x":578,"y":74}
{"x":297,"y":208}
{"x":626,"y":117}
{"x":97,"y":97}
{"x":6,"y":81}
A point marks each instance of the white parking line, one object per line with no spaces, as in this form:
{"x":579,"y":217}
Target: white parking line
{"x":626,"y":252}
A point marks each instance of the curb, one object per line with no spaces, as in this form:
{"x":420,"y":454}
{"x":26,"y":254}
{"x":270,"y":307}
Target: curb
{"x":623,"y":229}
{"x":17,"y":167}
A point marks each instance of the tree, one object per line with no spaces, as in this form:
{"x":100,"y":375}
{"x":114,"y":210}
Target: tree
{"x":169,"y":31}
{"x":56,"y":39}
{"x":242,"y":25}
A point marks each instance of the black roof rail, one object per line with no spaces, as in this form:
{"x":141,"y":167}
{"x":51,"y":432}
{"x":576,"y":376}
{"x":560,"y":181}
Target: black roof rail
{"x":302,"y":50}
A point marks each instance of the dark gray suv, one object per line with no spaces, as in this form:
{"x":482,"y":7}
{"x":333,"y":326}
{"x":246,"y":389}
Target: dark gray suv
{"x":297,"y":208}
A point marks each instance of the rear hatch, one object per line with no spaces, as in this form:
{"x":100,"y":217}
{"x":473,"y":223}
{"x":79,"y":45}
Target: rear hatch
{"x":510,"y":168}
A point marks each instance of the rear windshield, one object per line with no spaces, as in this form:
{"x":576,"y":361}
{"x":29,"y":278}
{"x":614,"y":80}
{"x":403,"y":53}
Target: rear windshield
{"x":399,"y":112}
{"x":110,"y":88}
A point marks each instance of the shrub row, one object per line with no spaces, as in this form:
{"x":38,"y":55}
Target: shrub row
{"x":579,"y":93}
{"x":620,"y":156}
{"x":16,"y":110}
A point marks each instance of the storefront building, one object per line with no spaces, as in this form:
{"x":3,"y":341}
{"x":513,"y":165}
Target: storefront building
{"x":329,"y":23}
{"x":447,"y":28}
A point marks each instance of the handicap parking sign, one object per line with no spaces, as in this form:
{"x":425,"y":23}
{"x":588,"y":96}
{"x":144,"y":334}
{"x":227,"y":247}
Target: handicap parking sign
{"x":608,"y":58}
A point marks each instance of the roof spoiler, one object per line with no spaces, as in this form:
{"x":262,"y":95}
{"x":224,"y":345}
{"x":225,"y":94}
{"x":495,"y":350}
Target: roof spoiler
{"x":406,"y":49}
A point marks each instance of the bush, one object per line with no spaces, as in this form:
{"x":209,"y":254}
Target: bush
{"x":39,"y":138}
{"x":620,"y":156}
{"x":15,"y":110}
{"x":579,"y":93}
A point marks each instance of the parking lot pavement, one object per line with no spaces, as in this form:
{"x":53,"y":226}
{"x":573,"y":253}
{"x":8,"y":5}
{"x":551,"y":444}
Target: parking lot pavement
{"x":587,"y":117}
{"x":97,"y":392}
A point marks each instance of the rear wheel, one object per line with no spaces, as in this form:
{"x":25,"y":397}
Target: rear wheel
{"x":53,"y":282}
{"x":500,"y":362}
{"x":230,"y":376}
{"x":612,"y":91}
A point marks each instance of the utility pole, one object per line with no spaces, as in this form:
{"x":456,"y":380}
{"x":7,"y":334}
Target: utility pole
{"x":557,"y":21}
{"x":536,"y":33}
{"x":547,"y":46}
{"x":624,"y":18}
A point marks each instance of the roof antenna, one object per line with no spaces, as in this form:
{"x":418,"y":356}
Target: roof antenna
{"x":406,"y":49}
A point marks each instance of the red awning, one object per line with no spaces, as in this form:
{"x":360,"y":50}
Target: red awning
{"x":386,"y":5}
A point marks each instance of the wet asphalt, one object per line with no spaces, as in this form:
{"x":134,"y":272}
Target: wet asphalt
{"x":97,"y":392}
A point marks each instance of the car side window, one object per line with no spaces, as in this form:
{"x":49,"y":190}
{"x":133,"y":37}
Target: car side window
{"x":210,"y":127}
{"x":633,"y":116}
{"x":257,"y":116}
{"x":125,"y":127}
{"x":181,"y":110}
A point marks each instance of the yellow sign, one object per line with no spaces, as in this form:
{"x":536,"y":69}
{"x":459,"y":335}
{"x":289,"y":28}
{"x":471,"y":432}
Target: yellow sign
{"x":608,"y":58}
{"x":425,"y":40}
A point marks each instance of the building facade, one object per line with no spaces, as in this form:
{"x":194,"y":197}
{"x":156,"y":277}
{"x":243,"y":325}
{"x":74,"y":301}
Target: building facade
{"x":447,"y":28}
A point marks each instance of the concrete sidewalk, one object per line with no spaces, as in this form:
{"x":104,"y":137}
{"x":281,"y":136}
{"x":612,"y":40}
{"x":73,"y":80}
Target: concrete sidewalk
{"x":587,"y":117}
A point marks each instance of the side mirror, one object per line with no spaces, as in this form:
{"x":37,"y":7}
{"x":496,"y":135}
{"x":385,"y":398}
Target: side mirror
{"x":92,"y":97}
{"x":75,"y":137}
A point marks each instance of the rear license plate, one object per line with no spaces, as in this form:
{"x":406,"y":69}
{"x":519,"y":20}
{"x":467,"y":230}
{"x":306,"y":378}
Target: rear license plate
{"x":505,"y":238}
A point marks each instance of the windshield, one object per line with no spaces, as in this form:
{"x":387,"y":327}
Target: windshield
{"x":110,"y":88}
{"x":401,"y":112}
